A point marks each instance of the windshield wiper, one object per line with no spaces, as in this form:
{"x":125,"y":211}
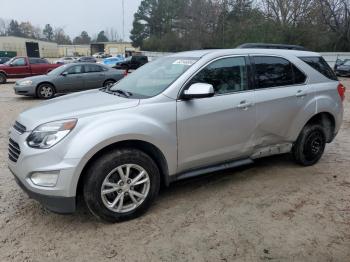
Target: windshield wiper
{"x":121,"y":92}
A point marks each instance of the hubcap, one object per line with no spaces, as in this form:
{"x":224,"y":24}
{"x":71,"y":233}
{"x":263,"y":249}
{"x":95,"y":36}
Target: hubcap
{"x":46,"y":91}
{"x":125,"y":188}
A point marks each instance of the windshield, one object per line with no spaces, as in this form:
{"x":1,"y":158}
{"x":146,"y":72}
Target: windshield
{"x":10,"y":61}
{"x":347,"y":63}
{"x":58,"y":70}
{"x":154,"y":77}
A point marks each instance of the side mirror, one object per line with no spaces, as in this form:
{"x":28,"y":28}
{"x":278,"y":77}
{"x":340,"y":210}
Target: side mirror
{"x":198,"y":90}
{"x":64,"y":74}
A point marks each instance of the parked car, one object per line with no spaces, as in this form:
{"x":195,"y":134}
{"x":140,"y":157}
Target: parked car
{"x":132,"y":62}
{"x":86,"y":59}
{"x":343,"y":69}
{"x":68,"y":78}
{"x":177,"y":117}
{"x":4,"y":59}
{"x":21,"y":66}
{"x":112,"y":61}
{"x":65,"y":60}
{"x":339,"y":62}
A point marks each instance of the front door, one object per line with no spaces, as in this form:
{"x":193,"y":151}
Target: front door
{"x":71,"y":80}
{"x":219,"y":128}
{"x":19,"y":68}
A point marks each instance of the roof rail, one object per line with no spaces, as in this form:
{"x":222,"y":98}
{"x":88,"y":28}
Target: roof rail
{"x":271,"y":46}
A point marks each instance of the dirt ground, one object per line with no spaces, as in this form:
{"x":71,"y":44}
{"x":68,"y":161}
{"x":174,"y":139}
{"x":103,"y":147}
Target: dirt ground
{"x":271,"y":210}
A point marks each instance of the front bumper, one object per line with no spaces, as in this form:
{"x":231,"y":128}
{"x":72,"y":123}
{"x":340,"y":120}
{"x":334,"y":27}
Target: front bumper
{"x":59,"y":198}
{"x":62,"y":205}
{"x":25,"y":90}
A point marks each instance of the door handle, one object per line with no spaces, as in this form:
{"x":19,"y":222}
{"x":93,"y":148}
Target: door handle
{"x":300,"y":93}
{"x":244,"y":105}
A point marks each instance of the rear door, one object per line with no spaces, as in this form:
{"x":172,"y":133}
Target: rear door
{"x":219,"y":128}
{"x":94,"y":76}
{"x":281,"y":94}
{"x":38,"y":66}
{"x":19,"y":68}
{"x":71,"y":80}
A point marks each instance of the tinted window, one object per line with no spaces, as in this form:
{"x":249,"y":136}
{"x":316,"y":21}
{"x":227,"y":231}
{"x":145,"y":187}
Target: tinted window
{"x":93,"y":68}
{"x":318,"y":63}
{"x":78,"y":69}
{"x":272,"y":71}
{"x":19,"y":62}
{"x":227,"y":75}
{"x":37,"y":61}
{"x":299,"y":77}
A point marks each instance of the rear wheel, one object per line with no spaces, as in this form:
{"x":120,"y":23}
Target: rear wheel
{"x":45,"y":91}
{"x":310,"y":145}
{"x":121,"y":185}
{"x":109,"y":83}
{"x":2,"y":78}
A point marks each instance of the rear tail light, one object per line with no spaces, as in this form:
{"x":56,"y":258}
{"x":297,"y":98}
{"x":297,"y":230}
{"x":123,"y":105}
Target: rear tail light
{"x":125,"y":72}
{"x":341,"y":91}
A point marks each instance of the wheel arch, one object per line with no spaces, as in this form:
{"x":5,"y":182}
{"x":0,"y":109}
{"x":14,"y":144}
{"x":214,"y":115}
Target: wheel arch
{"x":153,"y":151}
{"x":327,"y":120}
{"x":3,"y":72}
{"x":45,"y":82}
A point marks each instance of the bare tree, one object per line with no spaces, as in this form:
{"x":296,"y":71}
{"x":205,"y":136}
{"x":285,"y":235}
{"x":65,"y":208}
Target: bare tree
{"x":287,"y":12}
{"x":336,"y":15}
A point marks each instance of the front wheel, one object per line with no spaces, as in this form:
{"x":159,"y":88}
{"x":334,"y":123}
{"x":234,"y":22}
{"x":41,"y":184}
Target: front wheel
{"x":45,"y":91}
{"x":310,"y":145}
{"x":121,"y":185}
{"x":2,"y":78}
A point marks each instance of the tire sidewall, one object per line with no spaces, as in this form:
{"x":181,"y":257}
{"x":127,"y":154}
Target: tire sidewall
{"x":102,"y":167}
{"x":298,"y":149}
{"x":107,"y":82}
{"x":2,"y":78}
{"x":45,"y":85}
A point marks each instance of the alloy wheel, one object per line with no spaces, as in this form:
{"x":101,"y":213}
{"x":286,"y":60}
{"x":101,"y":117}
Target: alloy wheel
{"x":125,"y":188}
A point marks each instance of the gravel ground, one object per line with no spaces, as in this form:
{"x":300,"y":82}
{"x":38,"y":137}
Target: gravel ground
{"x":272,"y":210}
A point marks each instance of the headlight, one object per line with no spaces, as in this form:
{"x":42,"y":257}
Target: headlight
{"x":25,"y":83}
{"x":49,"y":134}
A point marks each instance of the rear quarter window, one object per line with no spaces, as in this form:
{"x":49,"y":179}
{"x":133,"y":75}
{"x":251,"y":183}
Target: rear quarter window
{"x":319,"y":64}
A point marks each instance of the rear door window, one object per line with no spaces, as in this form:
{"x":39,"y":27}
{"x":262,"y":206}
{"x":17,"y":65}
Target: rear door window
{"x":93,"y":68}
{"x":273,"y":71}
{"x":318,"y":63}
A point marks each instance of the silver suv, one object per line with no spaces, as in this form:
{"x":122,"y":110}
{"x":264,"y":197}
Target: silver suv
{"x":177,"y":117}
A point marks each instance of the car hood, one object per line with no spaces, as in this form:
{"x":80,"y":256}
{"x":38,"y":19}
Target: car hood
{"x":35,"y":79}
{"x":74,"y":106}
{"x":343,"y":67}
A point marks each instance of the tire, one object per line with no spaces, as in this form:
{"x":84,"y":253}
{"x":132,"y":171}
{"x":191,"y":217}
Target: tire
{"x":108,"y":83}
{"x":310,"y":145}
{"x":104,"y":175}
{"x":2,"y":78}
{"x":45,"y":91}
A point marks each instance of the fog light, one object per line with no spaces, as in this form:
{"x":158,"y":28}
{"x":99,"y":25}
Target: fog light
{"x":47,"y":179}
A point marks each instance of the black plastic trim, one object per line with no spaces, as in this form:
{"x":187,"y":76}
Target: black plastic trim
{"x":61,"y":205}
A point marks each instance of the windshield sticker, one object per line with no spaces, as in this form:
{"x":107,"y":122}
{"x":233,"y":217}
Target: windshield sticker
{"x":184,"y":62}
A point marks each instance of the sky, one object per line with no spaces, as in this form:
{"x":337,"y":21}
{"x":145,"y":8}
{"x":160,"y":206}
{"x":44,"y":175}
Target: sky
{"x":73,"y":16}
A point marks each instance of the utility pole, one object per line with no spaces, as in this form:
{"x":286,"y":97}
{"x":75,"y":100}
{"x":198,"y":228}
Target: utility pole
{"x":123,"y":20}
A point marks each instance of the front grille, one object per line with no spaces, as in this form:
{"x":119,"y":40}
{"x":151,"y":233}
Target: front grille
{"x":19,"y":127}
{"x":14,"y":150}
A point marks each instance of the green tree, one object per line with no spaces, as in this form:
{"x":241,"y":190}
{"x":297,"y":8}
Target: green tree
{"x":83,"y":39}
{"x":101,"y":37}
{"x":14,"y":29}
{"x":48,"y":32}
